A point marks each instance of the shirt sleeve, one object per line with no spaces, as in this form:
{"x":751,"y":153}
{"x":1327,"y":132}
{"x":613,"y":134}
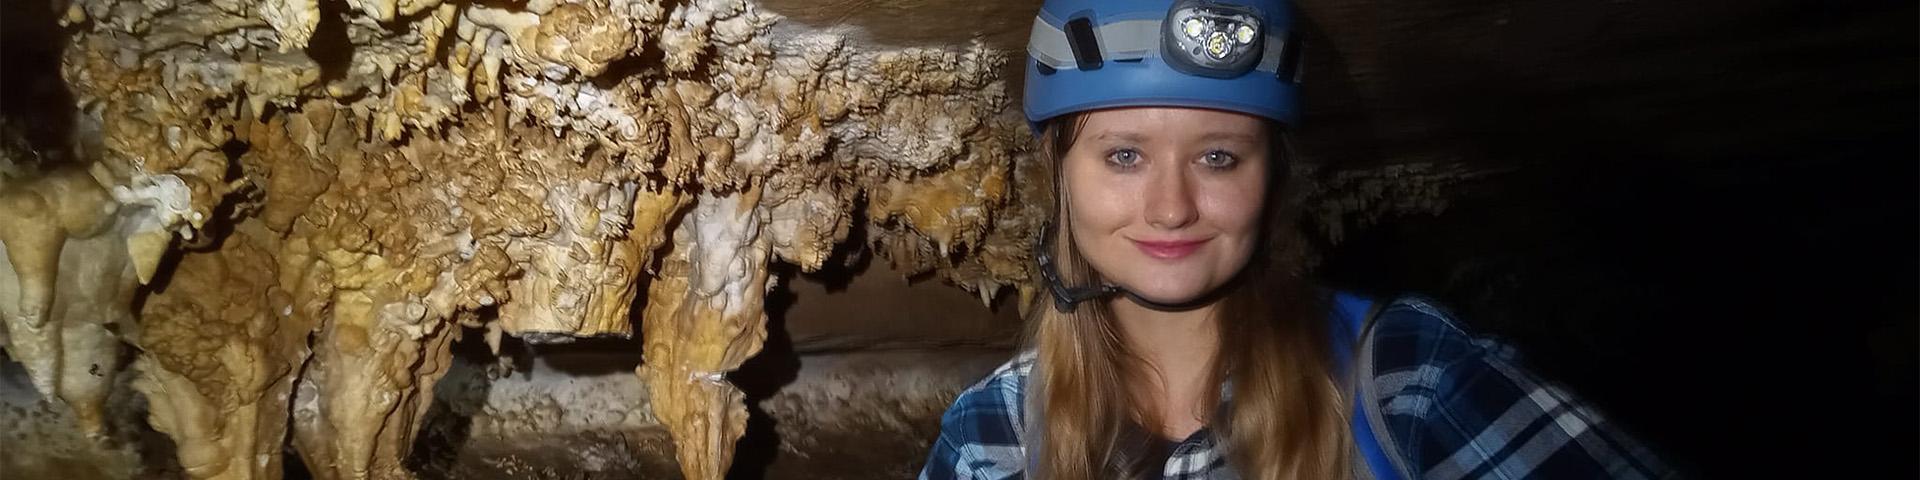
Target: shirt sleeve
{"x":944,"y":461}
{"x":978,"y":436}
{"x":1459,"y":406}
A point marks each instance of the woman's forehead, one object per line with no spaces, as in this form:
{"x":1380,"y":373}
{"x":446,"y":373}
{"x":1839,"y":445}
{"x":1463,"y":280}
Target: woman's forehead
{"x":1146,"y":124}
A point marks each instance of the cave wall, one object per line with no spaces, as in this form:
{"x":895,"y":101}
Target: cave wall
{"x":830,"y":398}
{"x":314,"y":200}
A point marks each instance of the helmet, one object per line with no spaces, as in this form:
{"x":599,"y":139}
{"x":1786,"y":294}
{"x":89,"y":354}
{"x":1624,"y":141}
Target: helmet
{"x":1233,"y":55}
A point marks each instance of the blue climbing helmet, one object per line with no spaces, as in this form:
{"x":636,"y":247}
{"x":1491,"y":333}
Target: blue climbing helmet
{"x":1235,"y":55}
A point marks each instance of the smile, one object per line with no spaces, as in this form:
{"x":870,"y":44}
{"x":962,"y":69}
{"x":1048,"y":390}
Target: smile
{"x":1169,"y":250}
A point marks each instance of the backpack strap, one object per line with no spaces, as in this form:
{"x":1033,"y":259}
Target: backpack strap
{"x":1355,"y":315}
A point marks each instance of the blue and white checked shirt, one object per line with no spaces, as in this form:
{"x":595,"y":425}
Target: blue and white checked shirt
{"x":1453,"y":406}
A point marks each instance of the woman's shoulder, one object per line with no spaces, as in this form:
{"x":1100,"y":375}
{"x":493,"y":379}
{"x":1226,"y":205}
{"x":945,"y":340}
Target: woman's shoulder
{"x":998,"y":395}
{"x":1413,"y":331}
{"x":1461,"y":403}
{"x":980,"y":435}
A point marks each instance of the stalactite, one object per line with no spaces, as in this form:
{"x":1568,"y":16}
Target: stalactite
{"x":704,"y":318}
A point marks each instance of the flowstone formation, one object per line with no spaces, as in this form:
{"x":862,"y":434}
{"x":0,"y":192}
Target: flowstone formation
{"x":220,"y":353}
{"x":319,"y":197}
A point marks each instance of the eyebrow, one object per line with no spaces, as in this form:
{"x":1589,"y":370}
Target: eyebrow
{"x":1124,"y":136}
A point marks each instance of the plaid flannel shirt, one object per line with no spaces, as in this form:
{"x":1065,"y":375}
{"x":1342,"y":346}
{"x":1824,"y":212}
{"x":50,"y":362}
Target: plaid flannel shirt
{"x":1453,"y":406}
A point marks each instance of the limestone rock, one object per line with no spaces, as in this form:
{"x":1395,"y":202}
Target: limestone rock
{"x":704,"y":318}
{"x":66,"y":281}
{"x":221,"y":356}
{"x":371,"y":180}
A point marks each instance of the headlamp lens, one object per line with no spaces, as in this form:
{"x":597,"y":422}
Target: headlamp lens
{"x":1211,"y":39}
{"x":1217,"y":46}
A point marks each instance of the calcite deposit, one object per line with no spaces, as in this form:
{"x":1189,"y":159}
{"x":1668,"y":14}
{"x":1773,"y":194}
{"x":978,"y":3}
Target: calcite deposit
{"x":71,"y":283}
{"x":219,"y":356}
{"x":319,"y":197}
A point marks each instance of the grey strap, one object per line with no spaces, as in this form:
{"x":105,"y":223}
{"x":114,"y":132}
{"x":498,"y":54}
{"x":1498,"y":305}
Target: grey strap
{"x":1126,"y":40}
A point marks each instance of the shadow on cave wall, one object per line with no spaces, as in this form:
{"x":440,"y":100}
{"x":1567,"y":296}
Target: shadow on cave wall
{"x":759,"y":378}
{"x":36,"y":108}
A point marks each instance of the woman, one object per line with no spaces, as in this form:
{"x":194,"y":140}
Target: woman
{"x":1179,"y":341}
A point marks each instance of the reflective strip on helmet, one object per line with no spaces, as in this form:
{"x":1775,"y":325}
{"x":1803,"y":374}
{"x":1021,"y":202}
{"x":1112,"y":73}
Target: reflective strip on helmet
{"x":1048,"y":45}
{"x":1126,"y":40}
{"x":1131,"y":39}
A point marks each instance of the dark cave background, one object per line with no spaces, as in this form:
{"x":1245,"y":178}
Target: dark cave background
{"x":1707,"y":221}
{"x":1705,"y":216}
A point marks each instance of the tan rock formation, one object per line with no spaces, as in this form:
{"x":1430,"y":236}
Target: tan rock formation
{"x":380,"y":176}
{"x":65,"y":277}
{"x":704,"y":318}
{"x":221,"y":350}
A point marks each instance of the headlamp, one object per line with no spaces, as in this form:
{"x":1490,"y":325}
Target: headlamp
{"x":1211,"y":39}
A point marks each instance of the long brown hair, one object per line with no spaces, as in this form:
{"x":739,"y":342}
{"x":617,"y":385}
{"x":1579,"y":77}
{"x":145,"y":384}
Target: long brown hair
{"x":1286,"y":417}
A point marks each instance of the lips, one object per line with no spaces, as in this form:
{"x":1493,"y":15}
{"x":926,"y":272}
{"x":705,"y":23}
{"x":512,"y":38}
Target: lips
{"x":1169,"y":249}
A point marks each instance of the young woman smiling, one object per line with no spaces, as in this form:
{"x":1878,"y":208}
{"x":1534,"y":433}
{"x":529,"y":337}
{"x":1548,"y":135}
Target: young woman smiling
{"x":1179,"y":339}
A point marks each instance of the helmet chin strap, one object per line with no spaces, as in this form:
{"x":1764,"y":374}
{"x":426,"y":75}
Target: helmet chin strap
{"x":1196,"y":302}
{"x":1066,"y":299}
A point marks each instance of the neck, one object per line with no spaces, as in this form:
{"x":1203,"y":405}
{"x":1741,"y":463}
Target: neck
{"x":1168,"y":338}
{"x":1179,"y":348}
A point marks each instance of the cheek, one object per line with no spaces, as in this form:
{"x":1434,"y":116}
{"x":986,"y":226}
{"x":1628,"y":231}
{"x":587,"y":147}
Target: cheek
{"x":1098,"y":204}
{"x":1235,"y":206}
{"x":1238,"y":215}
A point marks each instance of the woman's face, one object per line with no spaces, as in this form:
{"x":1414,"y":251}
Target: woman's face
{"x":1166,"y":202}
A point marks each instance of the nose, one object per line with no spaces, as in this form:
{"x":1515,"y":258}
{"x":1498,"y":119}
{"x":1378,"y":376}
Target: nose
{"x":1169,"y":200}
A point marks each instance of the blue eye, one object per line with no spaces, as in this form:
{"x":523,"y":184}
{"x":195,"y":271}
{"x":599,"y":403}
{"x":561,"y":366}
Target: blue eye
{"x":1219,"y":159}
{"x":1124,"y":158}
